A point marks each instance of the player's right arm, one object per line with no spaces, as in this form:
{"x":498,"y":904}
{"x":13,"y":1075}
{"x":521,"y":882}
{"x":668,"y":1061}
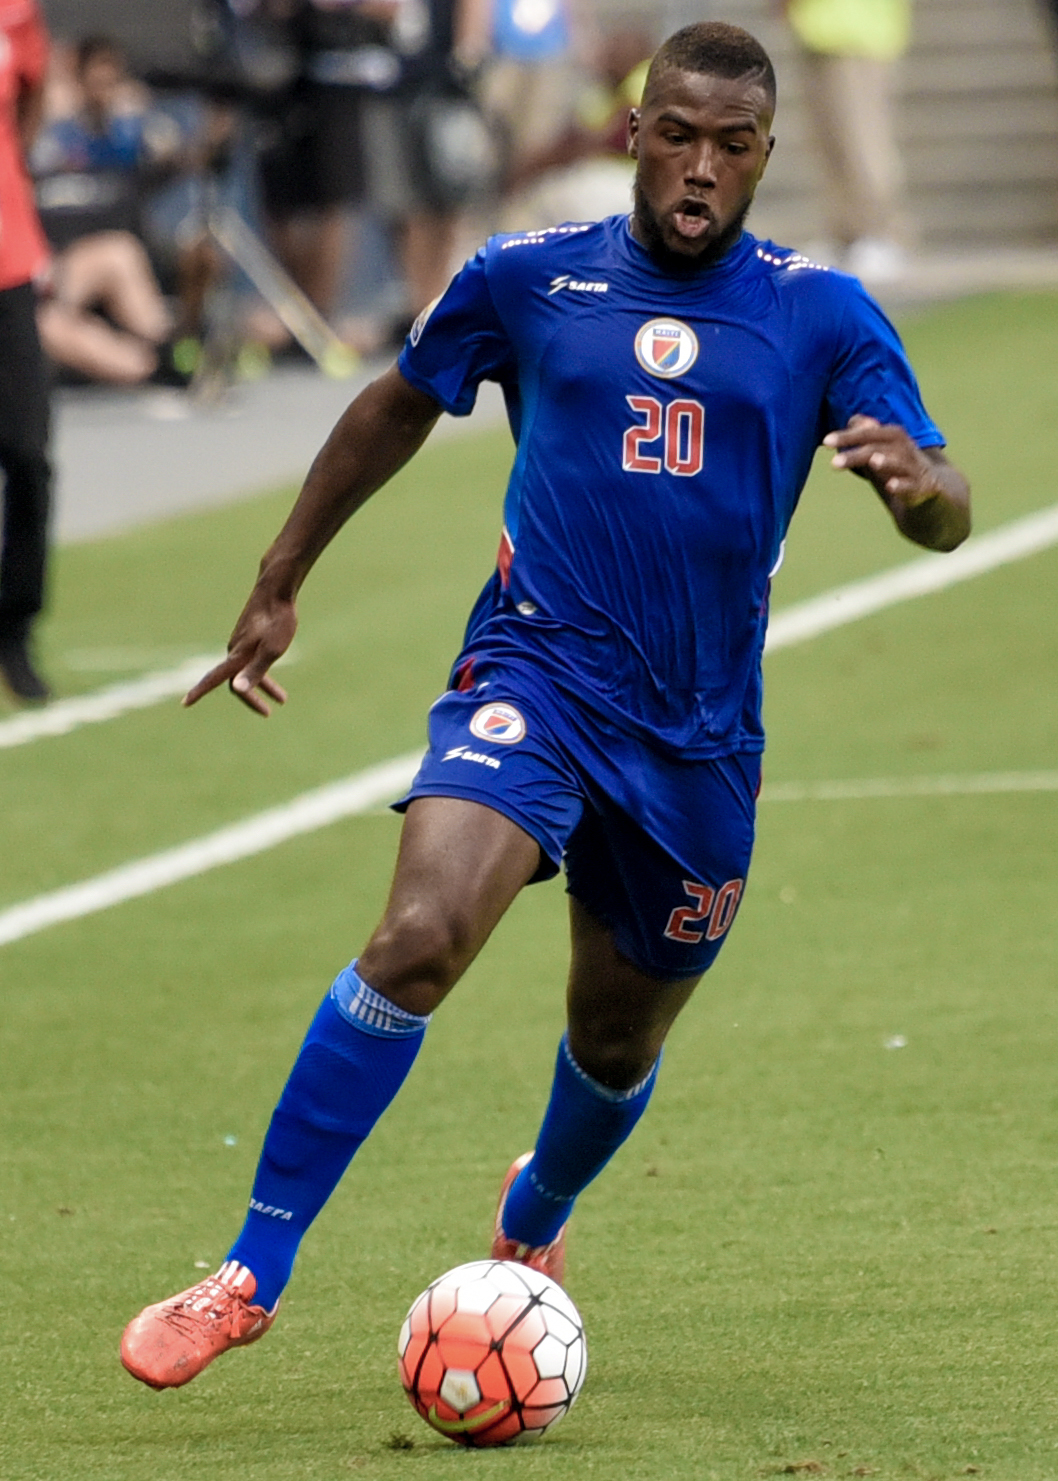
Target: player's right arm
{"x":377,"y":434}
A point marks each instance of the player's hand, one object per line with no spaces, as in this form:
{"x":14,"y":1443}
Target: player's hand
{"x":892,"y":460}
{"x":262,"y":634}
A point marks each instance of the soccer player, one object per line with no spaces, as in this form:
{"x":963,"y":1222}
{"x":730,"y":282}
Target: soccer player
{"x":668,"y":379}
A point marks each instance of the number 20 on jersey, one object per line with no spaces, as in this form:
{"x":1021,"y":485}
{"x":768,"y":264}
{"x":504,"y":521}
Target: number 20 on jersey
{"x":670,"y":436}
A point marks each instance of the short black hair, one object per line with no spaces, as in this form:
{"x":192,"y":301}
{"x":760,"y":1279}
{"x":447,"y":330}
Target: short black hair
{"x":89,"y":48}
{"x":715,"y":49}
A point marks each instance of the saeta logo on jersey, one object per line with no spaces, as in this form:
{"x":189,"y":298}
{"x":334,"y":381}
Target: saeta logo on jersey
{"x":500,"y":723}
{"x":666,"y":347}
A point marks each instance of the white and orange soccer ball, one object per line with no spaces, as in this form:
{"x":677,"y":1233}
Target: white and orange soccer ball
{"x":492,"y":1352}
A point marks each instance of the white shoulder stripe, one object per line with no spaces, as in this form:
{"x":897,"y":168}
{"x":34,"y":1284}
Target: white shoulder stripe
{"x":793,"y":261}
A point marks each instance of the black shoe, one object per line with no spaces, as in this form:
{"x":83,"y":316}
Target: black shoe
{"x":177,"y":362}
{"x":18,"y":671}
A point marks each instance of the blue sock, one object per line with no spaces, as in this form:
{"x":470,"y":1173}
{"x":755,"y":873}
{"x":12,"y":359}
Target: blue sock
{"x":584,"y":1125}
{"x":356,"y":1055}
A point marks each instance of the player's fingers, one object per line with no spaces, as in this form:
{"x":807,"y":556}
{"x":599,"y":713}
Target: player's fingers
{"x":213,"y":680}
{"x":851,"y":435}
{"x":243,"y":690}
{"x":254,"y":676}
{"x":911,"y":490}
{"x":854,"y":457}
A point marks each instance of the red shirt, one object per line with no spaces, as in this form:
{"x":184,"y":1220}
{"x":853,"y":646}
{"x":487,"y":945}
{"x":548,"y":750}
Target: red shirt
{"x":23,"y":55}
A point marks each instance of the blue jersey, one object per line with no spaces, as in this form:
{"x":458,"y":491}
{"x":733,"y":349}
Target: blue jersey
{"x":665,"y":426}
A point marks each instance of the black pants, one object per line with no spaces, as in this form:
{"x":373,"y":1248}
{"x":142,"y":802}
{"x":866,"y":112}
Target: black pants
{"x":24,"y":460}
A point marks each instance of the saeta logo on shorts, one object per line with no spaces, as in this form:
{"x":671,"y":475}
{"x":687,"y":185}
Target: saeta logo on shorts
{"x":500,"y":723}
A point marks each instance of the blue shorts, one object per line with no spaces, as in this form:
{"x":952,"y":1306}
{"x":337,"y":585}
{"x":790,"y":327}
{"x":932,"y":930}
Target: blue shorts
{"x":654,"y":847}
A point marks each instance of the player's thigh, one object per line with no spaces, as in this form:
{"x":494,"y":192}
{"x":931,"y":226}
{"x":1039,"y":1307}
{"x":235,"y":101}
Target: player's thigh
{"x":490,"y":810}
{"x":459,"y":866}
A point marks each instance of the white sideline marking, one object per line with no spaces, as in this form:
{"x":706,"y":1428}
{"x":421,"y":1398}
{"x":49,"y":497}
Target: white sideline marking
{"x":105,"y":704}
{"x":305,"y":814}
{"x":362,"y":790}
{"x":979,"y":783}
{"x":1011,"y":542}
{"x":794,"y":624}
{"x":365,"y":789}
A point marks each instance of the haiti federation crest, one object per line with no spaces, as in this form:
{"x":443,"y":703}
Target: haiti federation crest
{"x":666,"y":347}
{"x":498,"y":722}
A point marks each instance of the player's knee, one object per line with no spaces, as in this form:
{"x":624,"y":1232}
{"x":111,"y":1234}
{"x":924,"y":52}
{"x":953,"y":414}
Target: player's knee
{"x":617,"y":1055}
{"x":417,"y":955}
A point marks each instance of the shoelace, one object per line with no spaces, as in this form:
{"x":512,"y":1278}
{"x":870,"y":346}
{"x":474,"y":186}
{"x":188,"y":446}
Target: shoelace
{"x":223,"y":1306}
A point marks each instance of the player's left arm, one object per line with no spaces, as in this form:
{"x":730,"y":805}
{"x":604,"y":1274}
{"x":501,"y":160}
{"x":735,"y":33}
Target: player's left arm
{"x":927,"y":496}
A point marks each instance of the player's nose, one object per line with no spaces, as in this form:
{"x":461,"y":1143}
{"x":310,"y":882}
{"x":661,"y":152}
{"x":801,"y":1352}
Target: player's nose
{"x":701,"y":168}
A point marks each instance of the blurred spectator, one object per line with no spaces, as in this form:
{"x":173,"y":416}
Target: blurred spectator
{"x":104,"y":150}
{"x":532,"y":79}
{"x":104,"y":316}
{"x":849,"y":51}
{"x":431,"y":149}
{"x":95,"y":161}
{"x":380,"y":92}
{"x":585,"y":172}
{"x":23,"y":377}
{"x":313,"y":170}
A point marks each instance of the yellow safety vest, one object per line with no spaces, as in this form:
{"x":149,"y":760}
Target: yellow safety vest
{"x":860,"y":28}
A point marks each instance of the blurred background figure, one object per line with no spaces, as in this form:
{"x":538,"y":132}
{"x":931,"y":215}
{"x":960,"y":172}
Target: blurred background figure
{"x":584,"y":172}
{"x":531,"y":85}
{"x":379,"y":116}
{"x":102,"y":154}
{"x":23,"y":377}
{"x":848,"y":52}
{"x":432,"y":155}
{"x":312,"y":165}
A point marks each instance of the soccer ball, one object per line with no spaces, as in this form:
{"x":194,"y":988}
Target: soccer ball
{"x":492,"y":1352}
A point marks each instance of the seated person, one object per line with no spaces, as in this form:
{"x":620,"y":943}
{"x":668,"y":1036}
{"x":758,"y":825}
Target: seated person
{"x":104,"y":315}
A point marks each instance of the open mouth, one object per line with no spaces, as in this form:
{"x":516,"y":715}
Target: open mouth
{"x":692,"y":218}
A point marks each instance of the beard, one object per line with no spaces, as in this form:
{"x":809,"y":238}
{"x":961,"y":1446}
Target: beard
{"x":651,"y":236}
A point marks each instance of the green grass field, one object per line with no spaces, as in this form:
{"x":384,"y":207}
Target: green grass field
{"x":817,"y":1255}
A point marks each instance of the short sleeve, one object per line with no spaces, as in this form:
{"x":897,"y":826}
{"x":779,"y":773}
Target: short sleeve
{"x":459,"y":342}
{"x":872,"y":376}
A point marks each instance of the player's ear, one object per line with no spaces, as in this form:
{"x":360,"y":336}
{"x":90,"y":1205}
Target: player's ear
{"x":767,"y":154}
{"x":633,"y":133}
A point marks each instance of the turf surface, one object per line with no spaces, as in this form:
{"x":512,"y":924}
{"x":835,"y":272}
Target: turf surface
{"x":819,"y":1254}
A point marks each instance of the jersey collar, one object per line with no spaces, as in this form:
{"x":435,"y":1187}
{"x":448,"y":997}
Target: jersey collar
{"x":720,"y":271}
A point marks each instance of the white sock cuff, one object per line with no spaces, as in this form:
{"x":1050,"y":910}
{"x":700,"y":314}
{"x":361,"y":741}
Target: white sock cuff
{"x":604,"y":1092}
{"x":367,"y":1009}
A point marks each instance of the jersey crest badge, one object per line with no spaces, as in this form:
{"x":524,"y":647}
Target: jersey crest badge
{"x":498,"y":722}
{"x":666,"y":347}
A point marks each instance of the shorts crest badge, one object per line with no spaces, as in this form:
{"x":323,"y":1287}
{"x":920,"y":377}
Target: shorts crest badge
{"x":666,"y":347}
{"x":500,"y":723}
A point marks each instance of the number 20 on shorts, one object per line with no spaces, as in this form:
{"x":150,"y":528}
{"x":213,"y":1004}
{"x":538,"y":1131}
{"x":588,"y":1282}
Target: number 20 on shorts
{"x":712,"y":911}
{"x":679,"y":427}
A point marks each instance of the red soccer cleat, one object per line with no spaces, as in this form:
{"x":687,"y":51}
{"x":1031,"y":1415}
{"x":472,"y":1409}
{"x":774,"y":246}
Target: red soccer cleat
{"x":549,"y":1259}
{"x":169,"y":1344}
